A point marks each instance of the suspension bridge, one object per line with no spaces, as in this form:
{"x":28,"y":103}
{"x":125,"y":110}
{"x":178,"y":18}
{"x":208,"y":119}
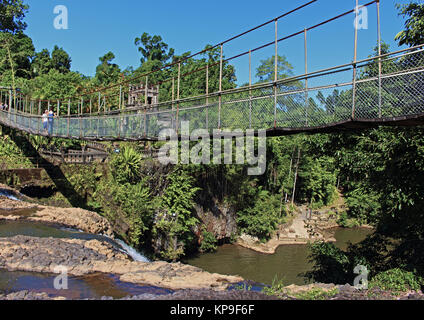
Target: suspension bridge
{"x":385,"y":89}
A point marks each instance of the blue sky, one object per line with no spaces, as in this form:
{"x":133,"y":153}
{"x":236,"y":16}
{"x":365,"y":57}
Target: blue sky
{"x":98,"y":26}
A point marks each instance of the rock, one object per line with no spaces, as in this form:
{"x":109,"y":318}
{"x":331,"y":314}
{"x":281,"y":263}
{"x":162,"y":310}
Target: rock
{"x":76,"y":218}
{"x":83,"y":257}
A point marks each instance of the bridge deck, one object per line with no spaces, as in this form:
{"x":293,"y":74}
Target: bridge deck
{"x":328,"y":101}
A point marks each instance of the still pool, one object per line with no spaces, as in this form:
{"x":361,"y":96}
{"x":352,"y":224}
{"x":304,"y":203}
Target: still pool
{"x":286,"y":264}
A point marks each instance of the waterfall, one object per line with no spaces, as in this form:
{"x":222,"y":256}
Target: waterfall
{"x":131,"y":251}
{"x":8,"y":194}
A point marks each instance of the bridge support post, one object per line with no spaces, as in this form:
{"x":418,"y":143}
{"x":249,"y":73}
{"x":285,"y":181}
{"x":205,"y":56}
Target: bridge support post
{"x":220,"y":87}
{"x":379,"y":60}
{"x":250,"y":89}
{"x":178,"y":96}
{"x":10,"y":103}
{"x":173,"y":98}
{"x":354,"y":61}
{"x":80,"y":117}
{"x":69,"y":115}
{"x":275,"y":73}
{"x":306,"y":79}
{"x":207,"y":96}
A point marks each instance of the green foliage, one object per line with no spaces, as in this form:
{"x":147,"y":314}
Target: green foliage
{"x":266,"y":71}
{"x":331,"y":265}
{"x":261,"y":219}
{"x":414,"y":24}
{"x":318,"y":180}
{"x":346,"y":222}
{"x":107,"y":72}
{"x":83,"y":179}
{"x":177,"y":220}
{"x":153,"y":48}
{"x":178,"y":198}
{"x":55,"y":85}
{"x":364,"y":205}
{"x":135,"y":202}
{"x":59,"y":61}
{"x":12,"y":13}
{"x":209,"y":242}
{"x":131,"y":202}
{"x":126,"y":165}
{"x":396,"y":280}
{"x":316,"y":294}
{"x":277,"y":287}
{"x":16,"y":52}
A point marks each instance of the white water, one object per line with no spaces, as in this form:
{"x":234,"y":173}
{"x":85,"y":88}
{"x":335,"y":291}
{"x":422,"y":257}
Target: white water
{"x":7,"y":194}
{"x":131,"y":251}
{"x":126,"y":248}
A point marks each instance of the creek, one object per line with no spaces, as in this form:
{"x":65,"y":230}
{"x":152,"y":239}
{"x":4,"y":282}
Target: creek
{"x":286,"y":264}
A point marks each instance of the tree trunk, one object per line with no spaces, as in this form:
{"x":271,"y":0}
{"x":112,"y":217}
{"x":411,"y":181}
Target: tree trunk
{"x":282,"y":187}
{"x":295,"y":176}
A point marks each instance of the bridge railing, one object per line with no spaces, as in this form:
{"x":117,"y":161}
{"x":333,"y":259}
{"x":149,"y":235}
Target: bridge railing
{"x":385,"y":87}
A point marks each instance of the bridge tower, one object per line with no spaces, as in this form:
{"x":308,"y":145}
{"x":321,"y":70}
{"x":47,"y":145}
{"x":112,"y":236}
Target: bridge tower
{"x":138,"y":93}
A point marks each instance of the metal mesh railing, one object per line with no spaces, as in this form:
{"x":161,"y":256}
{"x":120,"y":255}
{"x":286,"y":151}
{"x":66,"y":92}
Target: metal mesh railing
{"x":327,"y":98}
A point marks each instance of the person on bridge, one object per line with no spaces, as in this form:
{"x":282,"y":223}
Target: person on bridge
{"x":51,"y":118}
{"x":45,"y":120}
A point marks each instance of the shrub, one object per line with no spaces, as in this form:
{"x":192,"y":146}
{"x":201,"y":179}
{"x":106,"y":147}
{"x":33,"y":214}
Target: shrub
{"x":347,"y":222}
{"x":261,"y":219}
{"x":396,"y":280}
{"x":364,"y":205}
{"x":126,"y":166}
{"x":317,"y":294}
{"x":331,"y":264}
{"x":209,"y":242}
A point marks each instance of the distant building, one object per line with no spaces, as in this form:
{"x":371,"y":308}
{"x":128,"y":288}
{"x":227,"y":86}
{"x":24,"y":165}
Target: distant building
{"x":137,"y":95}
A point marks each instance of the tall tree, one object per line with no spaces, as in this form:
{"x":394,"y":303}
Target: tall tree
{"x":414,"y":25}
{"x":153,"y":48}
{"x":61,"y":60}
{"x":12,"y":13}
{"x":266,"y":71}
{"x":42,"y":63}
{"x":107,"y":72}
{"x":16,"y":52}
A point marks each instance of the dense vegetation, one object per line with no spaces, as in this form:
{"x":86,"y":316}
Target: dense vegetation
{"x":380,"y":171}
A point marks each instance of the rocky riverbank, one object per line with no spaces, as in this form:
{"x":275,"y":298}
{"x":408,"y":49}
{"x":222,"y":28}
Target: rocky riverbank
{"x":81,"y":257}
{"x":75,"y":218}
{"x":299,"y":231}
{"x":292,"y":293}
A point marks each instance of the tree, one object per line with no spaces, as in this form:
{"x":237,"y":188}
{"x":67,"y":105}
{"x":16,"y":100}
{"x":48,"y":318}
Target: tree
{"x":12,"y":13}
{"x":266,"y":71}
{"x":153,"y":48}
{"x":56,"y":85}
{"x":61,"y":60}
{"x":41,"y":64}
{"x":16,"y":51}
{"x":414,"y":25}
{"x":107,"y":72}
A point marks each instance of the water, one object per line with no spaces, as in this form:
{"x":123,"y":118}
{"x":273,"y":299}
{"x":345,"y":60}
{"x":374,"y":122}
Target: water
{"x":286,"y":264}
{"x":89,"y":286}
{"x":93,"y":286}
{"x":39,"y":230}
{"x":8,"y":194}
{"x":137,"y":256}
